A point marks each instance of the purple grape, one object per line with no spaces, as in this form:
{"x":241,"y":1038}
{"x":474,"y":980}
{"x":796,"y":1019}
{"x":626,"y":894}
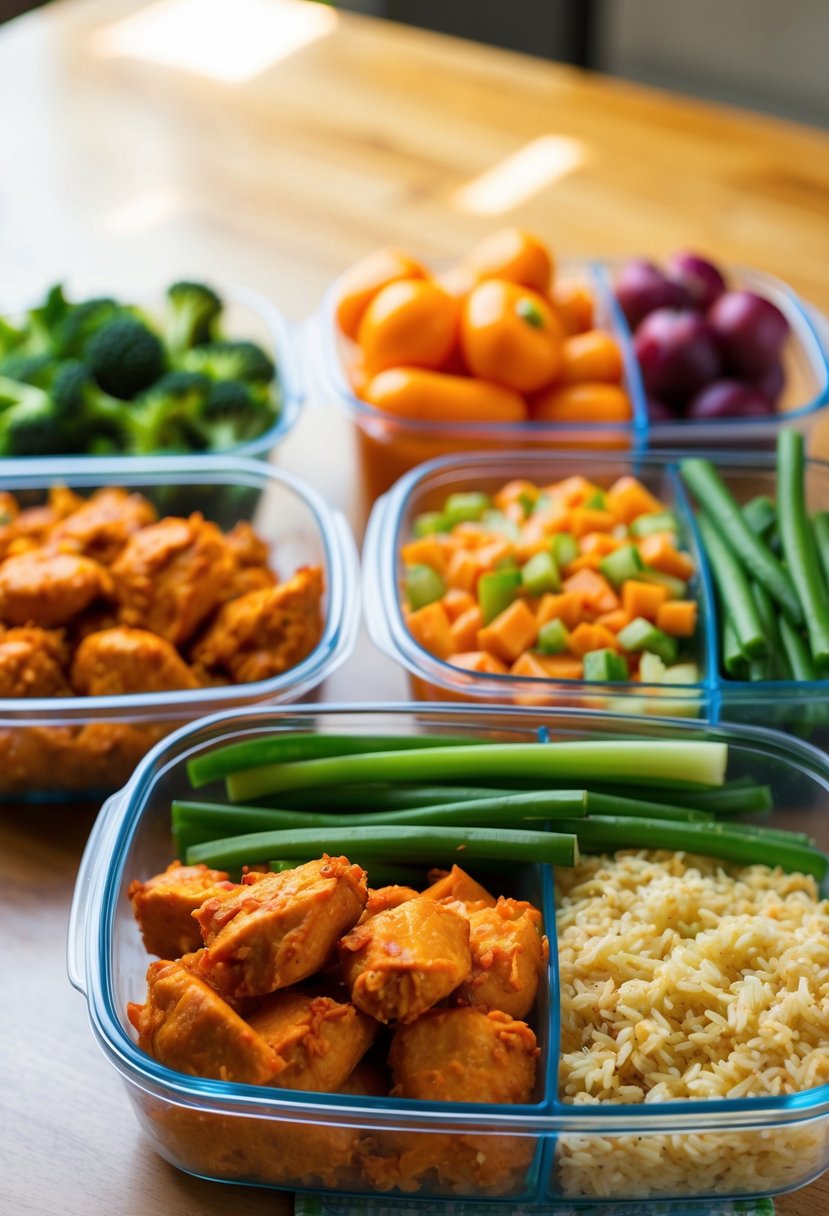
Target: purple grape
{"x":658,"y":411}
{"x":700,"y":280}
{"x":728,"y":399}
{"x":677,"y":352}
{"x":770,"y":383}
{"x":642,"y":288}
{"x":751,"y":329}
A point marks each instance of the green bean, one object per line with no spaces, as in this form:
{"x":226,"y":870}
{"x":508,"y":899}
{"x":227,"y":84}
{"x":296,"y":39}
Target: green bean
{"x":613,"y":804}
{"x":761,"y":515}
{"x":641,"y":762}
{"x":748,"y":549}
{"x":429,"y":844}
{"x":734,"y":661}
{"x":820,"y":525}
{"x":798,"y":543}
{"x":280,"y":749}
{"x":797,"y":652}
{"x":735,"y":594}
{"x":778,"y":663}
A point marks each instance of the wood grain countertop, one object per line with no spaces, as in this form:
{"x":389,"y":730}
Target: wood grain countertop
{"x":135,"y":152}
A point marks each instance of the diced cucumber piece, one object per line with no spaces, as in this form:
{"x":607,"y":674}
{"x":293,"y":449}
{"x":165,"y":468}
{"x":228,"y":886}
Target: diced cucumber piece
{"x":658,"y":521}
{"x":498,"y":522}
{"x":651,"y":669}
{"x":605,"y":665}
{"x":430,"y":522}
{"x":642,"y":634}
{"x":542,"y":502}
{"x":620,"y":565}
{"x":496,"y":591}
{"x":466,"y":508}
{"x":527,"y":502}
{"x":540,"y":574}
{"x":552,"y":637}
{"x":564,"y":548}
{"x":677,"y":590}
{"x":423,"y":586}
{"x":682,"y":673}
{"x":761,"y":515}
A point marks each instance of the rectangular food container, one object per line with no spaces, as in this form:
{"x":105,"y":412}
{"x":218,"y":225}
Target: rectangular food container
{"x":546,"y":1153}
{"x":798,"y":706}
{"x":430,"y":678}
{"x":247,"y":315}
{"x":389,"y":447}
{"x":40,"y":755}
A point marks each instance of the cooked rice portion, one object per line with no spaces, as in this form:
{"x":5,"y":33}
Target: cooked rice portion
{"x":682,"y":978}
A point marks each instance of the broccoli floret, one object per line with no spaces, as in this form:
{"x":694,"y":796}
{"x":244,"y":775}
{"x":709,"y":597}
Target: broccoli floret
{"x":12,"y":337}
{"x":125,"y":357}
{"x":166,"y":418}
{"x":29,"y":422}
{"x":85,"y":409}
{"x":192,"y":312}
{"x":231,"y":361}
{"x":46,"y":319}
{"x":82,"y":322}
{"x":234,"y":413}
{"x":30,"y":369}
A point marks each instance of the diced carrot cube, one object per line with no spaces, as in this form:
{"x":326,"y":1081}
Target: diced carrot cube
{"x":513,"y":630}
{"x":590,"y":519}
{"x":561,"y":666}
{"x":627,"y":498}
{"x":465,"y":629}
{"x":585,"y":561}
{"x":614,"y":621}
{"x":599,"y":542}
{"x":494,"y":551}
{"x":528,"y":664}
{"x":425,"y":552}
{"x":596,"y":592}
{"x":456,"y":602}
{"x":586,"y":637}
{"x":573,"y":491}
{"x":480,"y":660}
{"x":567,"y":607}
{"x":643,"y":599}
{"x":656,"y":552}
{"x":463,"y":571}
{"x":514,"y":491}
{"x":678,"y":617}
{"x":430,"y":627}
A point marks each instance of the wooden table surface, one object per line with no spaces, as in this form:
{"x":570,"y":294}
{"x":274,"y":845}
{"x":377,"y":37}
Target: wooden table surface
{"x":137,"y":149}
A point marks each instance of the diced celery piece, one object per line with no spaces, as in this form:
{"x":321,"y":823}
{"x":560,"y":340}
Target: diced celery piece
{"x":527,"y":502}
{"x":596,"y":502}
{"x":642,"y":634}
{"x":682,"y":673}
{"x":423,"y":586}
{"x":466,"y":508}
{"x":605,"y":665}
{"x":564,"y":548}
{"x":552,"y":637}
{"x":761,"y":515}
{"x":658,"y":521}
{"x":677,"y":590}
{"x":498,"y":522}
{"x":430,"y":522}
{"x":651,"y":669}
{"x":540,"y":574}
{"x":542,"y":502}
{"x":496,"y":591}
{"x":620,"y":565}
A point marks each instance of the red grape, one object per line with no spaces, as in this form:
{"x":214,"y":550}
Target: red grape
{"x":700,"y":280}
{"x":658,"y":411}
{"x":770,"y":383}
{"x":642,"y":288}
{"x":677,"y":352}
{"x":751,"y":329}
{"x":728,"y":399}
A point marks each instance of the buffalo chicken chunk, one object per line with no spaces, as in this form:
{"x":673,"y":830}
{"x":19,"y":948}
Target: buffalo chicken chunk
{"x":102,"y":525}
{"x":31,"y":664}
{"x":320,"y":1039}
{"x":114,"y":661}
{"x":47,"y":589}
{"x":164,"y":906}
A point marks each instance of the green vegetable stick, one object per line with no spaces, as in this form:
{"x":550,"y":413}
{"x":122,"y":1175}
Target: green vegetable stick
{"x":798,"y":542}
{"x":734,"y":590}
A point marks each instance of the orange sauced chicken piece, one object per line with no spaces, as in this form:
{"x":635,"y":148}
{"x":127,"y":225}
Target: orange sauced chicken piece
{"x":164,"y":905}
{"x":458,"y":886}
{"x":278,"y":929}
{"x":380,"y":899}
{"x":32,"y":662}
{"x":404,"y":960}
{"x":320,"y":1039}
{"x":102,"y":524}
{"x":508,"y":954}
{"x":48,"y":589}
{"x":113,"y":661}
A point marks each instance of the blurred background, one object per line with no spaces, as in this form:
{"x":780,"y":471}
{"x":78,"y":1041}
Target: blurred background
{"x":765,"y":55}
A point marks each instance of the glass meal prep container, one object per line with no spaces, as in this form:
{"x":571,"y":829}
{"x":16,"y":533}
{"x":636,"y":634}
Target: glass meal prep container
{"x":389,"y":446}
{"x":39,"y":756}
{"x":246,"y":315}
{"x":545,"y":1153}
{"x":798,"y":706}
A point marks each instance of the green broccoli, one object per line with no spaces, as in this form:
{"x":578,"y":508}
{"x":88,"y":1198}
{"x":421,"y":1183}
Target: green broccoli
{"x":125,"y":357}
{"x":192,"y":312}
{"x":29,"y":422}
{"x":12,"y":337}
{"x":30,"y":369}
{"x":45,"y":319}
{"x":82,"y":322}
{"x":231,"y":361}
{"x":234,"y":413}
{"x":85,"y":409}
{"x":166,"y":418}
